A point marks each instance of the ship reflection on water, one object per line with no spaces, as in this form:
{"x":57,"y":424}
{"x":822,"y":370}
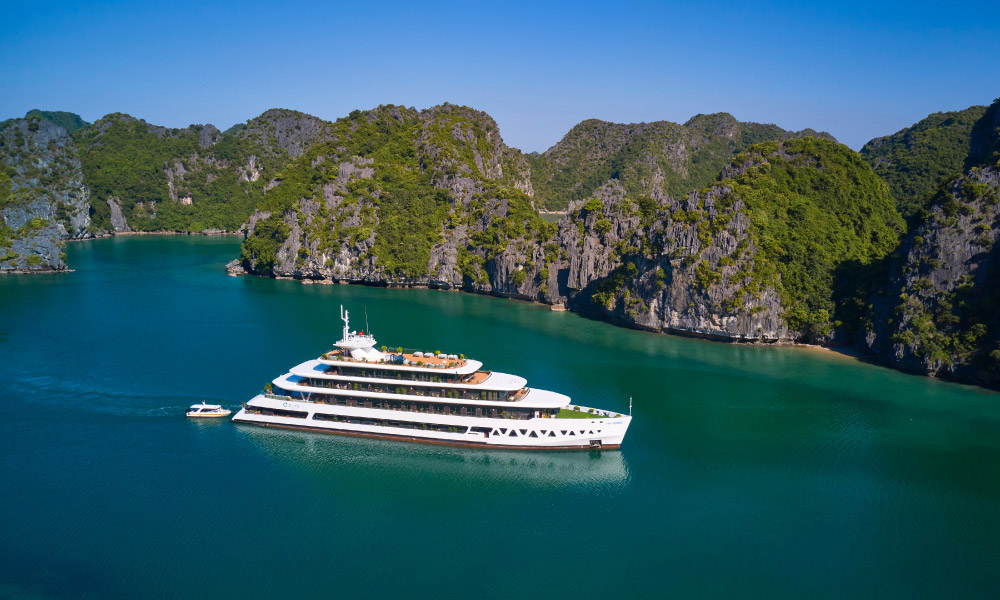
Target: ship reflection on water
{"x":400,"y":461}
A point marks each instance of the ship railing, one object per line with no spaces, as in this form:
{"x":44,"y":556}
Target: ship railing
{"x":594,"y":412}
{"x":500,"y":414}
{"x":406,"y":390}
{"x":277,"y":396}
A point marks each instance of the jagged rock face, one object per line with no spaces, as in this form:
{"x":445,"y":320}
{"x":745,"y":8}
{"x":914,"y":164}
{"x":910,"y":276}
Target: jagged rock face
{"x":941,"y":312}
{"x":693,"y":265}
{"x":284,"y":130}
{"x":118,"y":222}
{"x":208,"y":135}
{"x":938,"y":311}
{"x":42,"y":196}
{"x":660,"y":271}
{"x":643,"y":265}
{"x":304,"y":255}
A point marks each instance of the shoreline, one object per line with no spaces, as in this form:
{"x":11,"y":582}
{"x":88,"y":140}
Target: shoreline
{"x":840,"y":352}
{"x":34,"y":271}
{"x":106,"y":235}
{"x":847,"y":352}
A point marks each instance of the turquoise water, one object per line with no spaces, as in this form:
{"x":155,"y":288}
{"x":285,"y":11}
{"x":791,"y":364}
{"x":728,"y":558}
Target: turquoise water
{"x":747,"y":472}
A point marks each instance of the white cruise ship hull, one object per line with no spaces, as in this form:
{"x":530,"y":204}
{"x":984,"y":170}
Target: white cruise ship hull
{"x":513,"y":434}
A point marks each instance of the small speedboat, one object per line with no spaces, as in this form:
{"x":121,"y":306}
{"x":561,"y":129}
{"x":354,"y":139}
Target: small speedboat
{"x":208,"y":410}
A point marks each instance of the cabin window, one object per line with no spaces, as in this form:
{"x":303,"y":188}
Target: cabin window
{"x":278,"y":412}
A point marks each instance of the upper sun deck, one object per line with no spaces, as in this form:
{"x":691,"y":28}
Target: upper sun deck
{"x":407,"y":361}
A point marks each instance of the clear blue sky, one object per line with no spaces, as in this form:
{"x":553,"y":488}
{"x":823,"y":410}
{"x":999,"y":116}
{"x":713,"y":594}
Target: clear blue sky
{"x":857,"y":70}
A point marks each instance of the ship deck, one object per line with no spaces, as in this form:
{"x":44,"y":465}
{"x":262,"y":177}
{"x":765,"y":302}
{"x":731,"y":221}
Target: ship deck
{"x":428,"y":361}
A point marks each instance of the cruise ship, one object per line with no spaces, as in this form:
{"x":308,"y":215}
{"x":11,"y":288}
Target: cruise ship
{"x":429,"y":397}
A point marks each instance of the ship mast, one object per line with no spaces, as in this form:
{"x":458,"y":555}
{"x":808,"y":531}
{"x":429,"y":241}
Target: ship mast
{"x":345,"y":317}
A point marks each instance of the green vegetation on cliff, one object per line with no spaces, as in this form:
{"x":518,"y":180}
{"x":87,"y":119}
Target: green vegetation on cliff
{"x":916,"y":160}
{"x":71,"y":122}
{"x":124,"y":159}
{"x":384,"y":187}
{"x":687,"y":157}
{"x":943,"y":295}
{"x":815,"y":207}
{"x":984,"y":147}
{"x":189,"y":179}
{"x":409,"y":209}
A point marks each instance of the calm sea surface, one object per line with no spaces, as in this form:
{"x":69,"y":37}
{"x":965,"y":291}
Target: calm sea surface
{"x":747,"y":472}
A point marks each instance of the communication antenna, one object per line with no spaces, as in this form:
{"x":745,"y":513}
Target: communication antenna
{"x":630,"y":406}
{"x":345,"y":316}
{"x":368,"y":329}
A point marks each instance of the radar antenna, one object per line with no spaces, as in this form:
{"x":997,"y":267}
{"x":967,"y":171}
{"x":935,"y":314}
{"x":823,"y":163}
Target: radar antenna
{"x":630,"y":406}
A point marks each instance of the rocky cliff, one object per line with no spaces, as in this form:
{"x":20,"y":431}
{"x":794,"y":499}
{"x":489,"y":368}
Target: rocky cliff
{"x":434,"y":198}
{"x":751,"y":257}
{"x":396,"y":197}
{"x":43,"y":199}
{"x":793,"y":239}
{"x":940,"y":310}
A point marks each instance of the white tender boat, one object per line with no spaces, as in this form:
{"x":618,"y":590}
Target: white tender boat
{"x":426,"y":397}
{"x":208,"y":411}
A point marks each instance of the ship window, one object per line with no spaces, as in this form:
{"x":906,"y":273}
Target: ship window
{"x":524,"y":432}
{"x":277,"y":412}
{"x":563,"y":432}
{"x":533,"y":434}
{"x":552,"y":434}
{"x":503,"y":432}
{"x":572,"y":433}
{"x":512,"y":433}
